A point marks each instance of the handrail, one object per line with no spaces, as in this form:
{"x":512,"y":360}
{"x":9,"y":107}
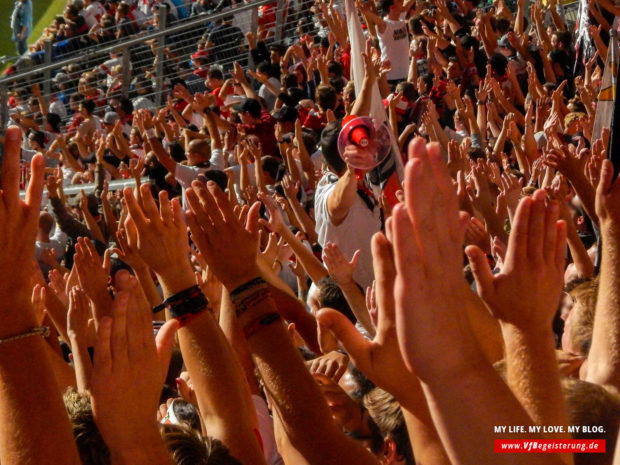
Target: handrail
{"x":199,"y":20}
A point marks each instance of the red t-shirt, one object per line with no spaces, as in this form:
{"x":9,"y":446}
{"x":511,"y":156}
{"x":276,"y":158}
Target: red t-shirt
{"x":265,"y":131}
{"x":312,"y":119}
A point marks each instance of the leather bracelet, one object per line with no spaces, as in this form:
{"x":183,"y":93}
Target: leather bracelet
{"x":237,"y":291}
{"x":189,"y":301}
{"x":259,"y":323}
{"x":251,"y":299}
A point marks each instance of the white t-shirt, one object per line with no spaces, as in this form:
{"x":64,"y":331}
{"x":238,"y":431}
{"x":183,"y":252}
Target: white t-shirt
{"x":267,"y":95}
{"x":353,"y":233}
{"x":185,"y":174}
{"x":394,"y":44}
{"x":93,"y":13}
{"x":59,"y":108}
{"x":265,"y":428}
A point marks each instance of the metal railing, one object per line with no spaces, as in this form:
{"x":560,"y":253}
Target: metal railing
{"x":146,"y":65}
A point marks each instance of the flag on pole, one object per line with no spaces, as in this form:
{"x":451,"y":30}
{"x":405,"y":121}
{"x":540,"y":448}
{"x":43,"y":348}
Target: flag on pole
{"x":613,"y":153}
{"x":607,"y":93}
{"x":387,"y":177}
{"x":584,"y":45}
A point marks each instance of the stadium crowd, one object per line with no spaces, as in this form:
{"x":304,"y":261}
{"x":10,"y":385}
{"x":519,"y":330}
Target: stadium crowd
{"x":258,"y":298}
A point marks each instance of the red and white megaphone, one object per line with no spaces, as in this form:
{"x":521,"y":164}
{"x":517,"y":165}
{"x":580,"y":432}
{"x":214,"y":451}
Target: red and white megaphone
{"x":364,"y":142}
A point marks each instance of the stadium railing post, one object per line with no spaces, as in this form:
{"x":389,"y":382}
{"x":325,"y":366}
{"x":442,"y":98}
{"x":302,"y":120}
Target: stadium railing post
{"x":159,"y":70}
{"x":280,"y":20}
{"x":47,"y":74}
{"x":126,"y":71}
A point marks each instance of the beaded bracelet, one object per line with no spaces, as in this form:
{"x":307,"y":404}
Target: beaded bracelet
{"x":43,"y":331}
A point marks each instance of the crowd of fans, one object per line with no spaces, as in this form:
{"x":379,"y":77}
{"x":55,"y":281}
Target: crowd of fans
{"x":257,"y":298}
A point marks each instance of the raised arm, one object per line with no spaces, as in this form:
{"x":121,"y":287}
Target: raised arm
{"x":534,"y":261}
{"x":161,"y":239}
{"x":27,"y":380}
{"x":603,"y":366}
{"x":308,"y":422}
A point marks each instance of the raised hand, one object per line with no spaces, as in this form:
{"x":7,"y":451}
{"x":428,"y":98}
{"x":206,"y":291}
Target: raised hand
{"x":126,"y":379}
{"x":534,"y":265}
{"x":339,"y":268}
{"x":228,"y":247}
{"x":25,"y":441}
{"x":379,"y":359}
{"x":93,"y":273}
{"x":160,"y":237}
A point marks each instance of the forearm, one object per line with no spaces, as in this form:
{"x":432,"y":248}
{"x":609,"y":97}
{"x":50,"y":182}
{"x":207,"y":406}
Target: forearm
{"x":93,"y":227}
{"x":260,"y":176}
{"x":143,"y":274}
{"x":68,"y":224}
{"x":224,"y":403}
{"x":581,"y":259}
{"x":342,"y":197}
{"x":519,"y":20}
{"x":422,"y":433}
{"x":603,"y":362}
{"x":311,"y":264}
{"x":28,"y":385}
{"x":307,"y":225}
{"x":361,"y":107}
{"x":586,"y":194}
{"x":474,"y":395}
{"x":296,"y":396}
{"x":533,"y":376}
{"x":147,"y":448}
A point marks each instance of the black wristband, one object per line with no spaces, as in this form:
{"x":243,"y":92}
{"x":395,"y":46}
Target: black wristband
{"x":188,"y":301}
{"x":237,"y":291}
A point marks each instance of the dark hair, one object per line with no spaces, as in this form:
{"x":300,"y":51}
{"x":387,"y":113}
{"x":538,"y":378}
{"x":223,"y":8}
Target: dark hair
{"x":565,"y":38}
{"x":502,"y":25}
{"x":54,"y":121}
{"x":338,"y":84}
{"x":415,"y":24}
{"x":428,"y":80}
{"x":336,"y":68}
{"x":217,"y":176}
{"x":88,"y":105}
{"x":125,"y":105}
{"x":215,"y":73}
{"x":270,"y":165}
{"x":39,"y":137}
{"x":330,"y":295}
{"x":498,"y":63}
{"x":326,"y":97}
{"x":329,"y":146}
{"x":384,"y":6}
{"x":289,"y":80}
{"x":266,"y":68}
{"x":408,"y":90}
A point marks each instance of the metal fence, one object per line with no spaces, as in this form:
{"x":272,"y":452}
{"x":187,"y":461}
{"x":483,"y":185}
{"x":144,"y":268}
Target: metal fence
{"x":147,"y":63}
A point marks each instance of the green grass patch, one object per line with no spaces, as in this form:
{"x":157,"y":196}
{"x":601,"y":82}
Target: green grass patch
{"x":43,"y":11}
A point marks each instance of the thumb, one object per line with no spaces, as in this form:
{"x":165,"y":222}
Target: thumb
{"x":355,"y":258}
{"x":164,"y":342}
{"x":480,"y":268}
{"x":354,"y":343}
